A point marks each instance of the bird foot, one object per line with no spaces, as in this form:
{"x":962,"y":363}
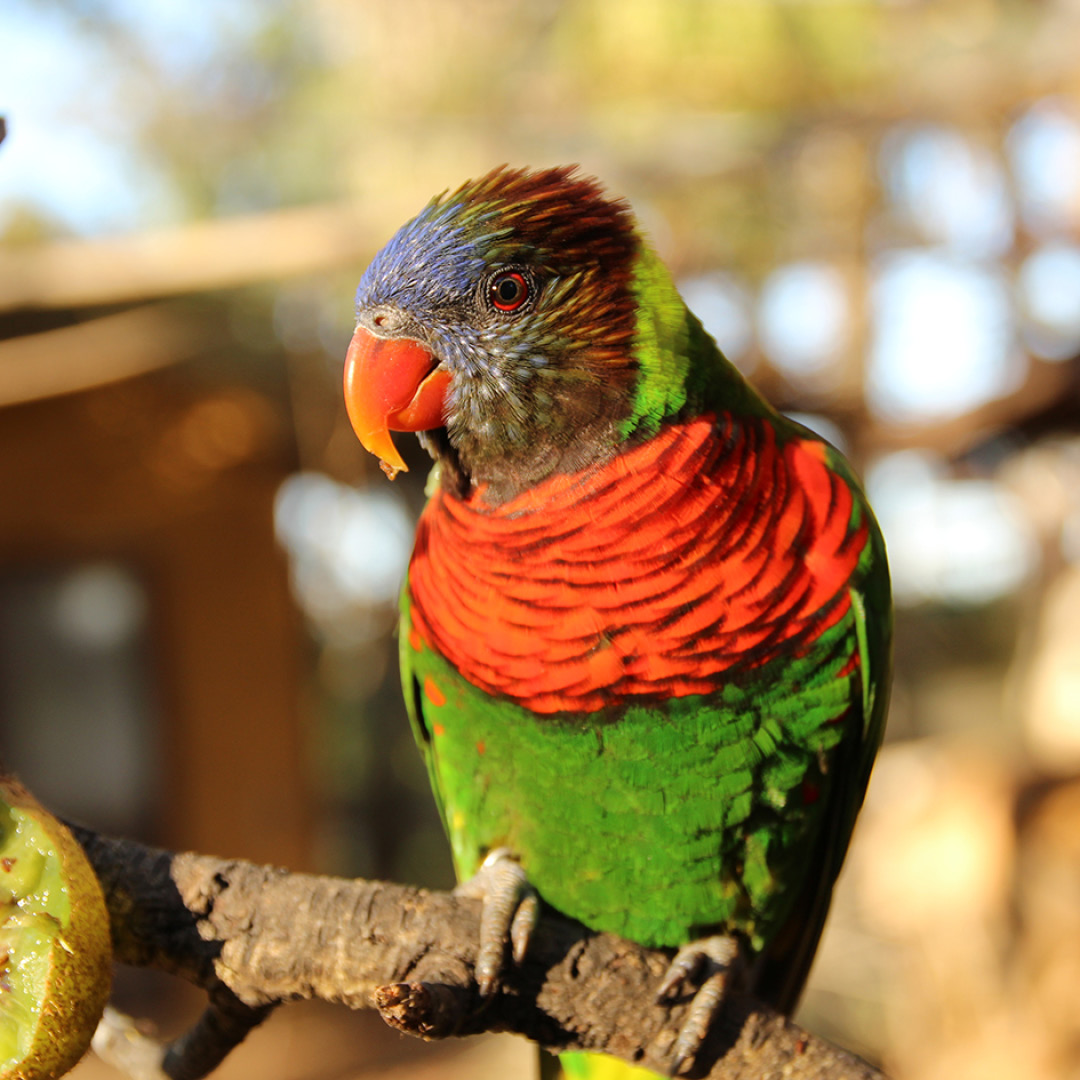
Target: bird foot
{"x":710,"y":962}
{"x":510,"y":911}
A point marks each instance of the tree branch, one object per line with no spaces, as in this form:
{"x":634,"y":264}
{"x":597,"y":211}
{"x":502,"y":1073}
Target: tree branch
{"x":254,"y":936}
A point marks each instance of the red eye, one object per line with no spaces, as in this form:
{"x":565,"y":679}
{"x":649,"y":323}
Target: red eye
{"x":509,"y":290}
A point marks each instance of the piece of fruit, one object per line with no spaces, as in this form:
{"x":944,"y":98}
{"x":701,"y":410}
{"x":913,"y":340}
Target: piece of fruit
{"x":55,"y":952}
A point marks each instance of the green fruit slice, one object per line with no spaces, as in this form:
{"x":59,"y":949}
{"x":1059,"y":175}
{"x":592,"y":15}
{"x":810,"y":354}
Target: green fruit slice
{"x":55,"y":954}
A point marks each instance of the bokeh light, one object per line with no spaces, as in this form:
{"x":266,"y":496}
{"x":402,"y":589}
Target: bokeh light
{"x":722,"y":302}
{"x":952,"y":540}
{"x":953,"y":191}
{"x":1049,"y":288}
{"x":942,"y":341}
{"x":1044,"y":151}
{"x":348,"y":549}
{"x":804,"y":319}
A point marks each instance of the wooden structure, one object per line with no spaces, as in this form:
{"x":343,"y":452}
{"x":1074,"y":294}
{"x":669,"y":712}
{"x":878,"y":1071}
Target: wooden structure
{"x":175,"y":482}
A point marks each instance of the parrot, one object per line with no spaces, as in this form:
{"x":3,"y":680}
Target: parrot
{"x":645,"y":631}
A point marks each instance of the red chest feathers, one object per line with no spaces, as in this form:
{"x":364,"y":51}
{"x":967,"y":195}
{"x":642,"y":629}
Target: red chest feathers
{"x":704,"y":552}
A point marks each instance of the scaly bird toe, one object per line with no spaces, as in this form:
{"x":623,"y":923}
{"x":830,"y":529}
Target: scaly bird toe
{"x":510,"y":911}
{"x":709,"y":962}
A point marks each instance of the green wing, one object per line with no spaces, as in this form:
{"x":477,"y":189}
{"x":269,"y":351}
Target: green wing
{"x":782,"y":969}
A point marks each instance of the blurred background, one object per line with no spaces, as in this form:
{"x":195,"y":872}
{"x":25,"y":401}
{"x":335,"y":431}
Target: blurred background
{"x":875,"y":208}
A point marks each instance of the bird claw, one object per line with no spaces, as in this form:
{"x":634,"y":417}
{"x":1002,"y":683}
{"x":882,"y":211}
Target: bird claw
{"x":710,"y":962}
{"x":510,"y":911}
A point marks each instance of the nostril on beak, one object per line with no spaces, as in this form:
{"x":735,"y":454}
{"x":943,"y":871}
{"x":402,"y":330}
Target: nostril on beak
{"x":382,"y":319}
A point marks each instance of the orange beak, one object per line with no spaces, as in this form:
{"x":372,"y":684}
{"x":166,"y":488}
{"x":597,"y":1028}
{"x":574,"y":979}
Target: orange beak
{"x":392,"y":384}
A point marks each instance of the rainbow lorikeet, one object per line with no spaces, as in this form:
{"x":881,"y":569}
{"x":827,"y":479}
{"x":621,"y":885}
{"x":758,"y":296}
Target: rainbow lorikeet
{"x":645,"y":632}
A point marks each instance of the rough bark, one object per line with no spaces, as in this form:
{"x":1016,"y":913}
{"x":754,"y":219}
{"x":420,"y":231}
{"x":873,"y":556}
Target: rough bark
{"x":254,"y":936}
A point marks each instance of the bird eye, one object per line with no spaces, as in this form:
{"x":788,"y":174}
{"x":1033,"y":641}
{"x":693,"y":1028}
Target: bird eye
{"x":508,"y":290}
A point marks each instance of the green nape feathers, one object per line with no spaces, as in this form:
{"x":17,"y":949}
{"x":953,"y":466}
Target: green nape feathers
{"x":645,"y":637}
{"x":667,"y":336}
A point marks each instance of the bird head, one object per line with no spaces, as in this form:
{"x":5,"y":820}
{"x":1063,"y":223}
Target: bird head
{"x":499,"y":323}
